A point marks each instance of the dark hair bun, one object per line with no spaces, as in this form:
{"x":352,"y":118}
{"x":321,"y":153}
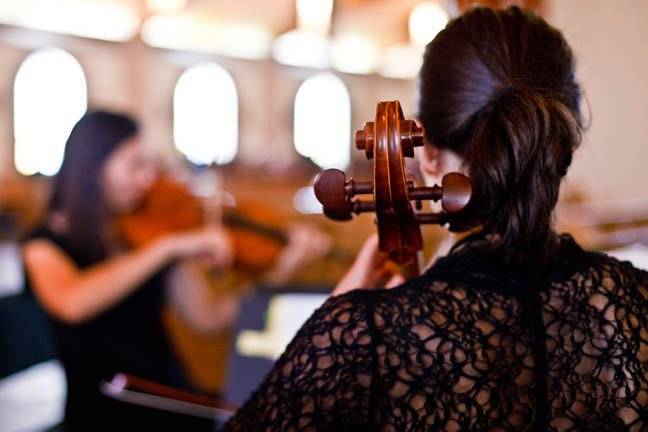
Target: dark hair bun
{"x":498,"y":88}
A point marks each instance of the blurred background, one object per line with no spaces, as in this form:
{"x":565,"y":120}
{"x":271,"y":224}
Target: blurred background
{"x":252,"y":98}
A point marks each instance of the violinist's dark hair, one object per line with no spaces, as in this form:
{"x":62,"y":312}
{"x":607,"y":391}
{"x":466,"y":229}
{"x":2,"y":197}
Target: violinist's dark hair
{"x":497,"y":87}
{"x":77,"y":190}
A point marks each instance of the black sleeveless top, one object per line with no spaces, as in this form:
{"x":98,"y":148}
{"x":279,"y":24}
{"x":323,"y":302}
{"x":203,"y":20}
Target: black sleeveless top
{"x":469,"y":346}
{"x":128,"y":337}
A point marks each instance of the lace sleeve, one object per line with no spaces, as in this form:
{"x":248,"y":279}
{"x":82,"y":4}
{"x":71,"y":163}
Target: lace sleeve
{"x":323,"y":379}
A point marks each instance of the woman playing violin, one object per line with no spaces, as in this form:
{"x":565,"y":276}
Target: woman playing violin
{"x":517,"y":328}
{"x":104,"y":300}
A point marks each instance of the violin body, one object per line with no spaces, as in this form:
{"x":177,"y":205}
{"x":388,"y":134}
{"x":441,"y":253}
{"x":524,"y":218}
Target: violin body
{"x":170,"y":207}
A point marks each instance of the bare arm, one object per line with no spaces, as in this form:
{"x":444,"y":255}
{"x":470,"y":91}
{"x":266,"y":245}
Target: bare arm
{"x":371,"y":269}
{"x":74,"y":295}
{"x":192,"y":297}
{"x":306,"y":244}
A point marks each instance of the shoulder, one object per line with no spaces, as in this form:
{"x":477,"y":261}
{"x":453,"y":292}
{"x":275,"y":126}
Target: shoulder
{"x":614,"y":275}
{"x":43,"y":234}
{"x":49,"y":239}
{"x":581,"y":261}
{"x":612,"y":264}
{"x":336,"y":339}
{"x":342,"y":319}
{"x":43,"y":246}
{"x":392,"y":313}
{"x":339,"y":331}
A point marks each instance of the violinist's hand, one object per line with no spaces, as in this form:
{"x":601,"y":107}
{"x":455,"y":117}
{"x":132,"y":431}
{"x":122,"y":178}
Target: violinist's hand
{"x":212,"y":243}
{"x":306,"y":244}
{"x":370,"y":270}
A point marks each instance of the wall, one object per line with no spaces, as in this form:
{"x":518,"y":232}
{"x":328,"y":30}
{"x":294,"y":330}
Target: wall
{"x":140,"y":80}
{"x":610,"y":40}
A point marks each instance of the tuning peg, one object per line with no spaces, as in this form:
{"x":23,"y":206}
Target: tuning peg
{"x":330,"y":190}
{"x":334,"y":191}
{"x":365,"y":139}
{"x":412,"y":135}
{"x":455,"y":192}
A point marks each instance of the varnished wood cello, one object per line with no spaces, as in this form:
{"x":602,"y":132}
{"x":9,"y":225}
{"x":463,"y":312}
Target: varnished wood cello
{"x":387,"y":141}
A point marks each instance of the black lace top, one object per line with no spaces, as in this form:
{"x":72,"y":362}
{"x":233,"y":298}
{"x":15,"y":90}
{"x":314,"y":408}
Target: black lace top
{"x":468,"y":347}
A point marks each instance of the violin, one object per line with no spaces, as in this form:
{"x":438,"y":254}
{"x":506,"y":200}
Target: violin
{"x":387,"y":141}
{"x":171,"y":207}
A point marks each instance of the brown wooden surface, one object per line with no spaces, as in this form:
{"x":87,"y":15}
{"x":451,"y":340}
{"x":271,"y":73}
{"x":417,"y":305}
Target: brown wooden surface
{"x":387,"y":142}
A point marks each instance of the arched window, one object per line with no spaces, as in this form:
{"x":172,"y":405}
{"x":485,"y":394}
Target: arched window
{"x":323,"y":100}
{"x":205,"y":115}
{"x":50,"y":95}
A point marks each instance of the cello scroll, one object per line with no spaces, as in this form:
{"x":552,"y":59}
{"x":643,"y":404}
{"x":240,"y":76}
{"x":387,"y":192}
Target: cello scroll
{"x":387,"y":141}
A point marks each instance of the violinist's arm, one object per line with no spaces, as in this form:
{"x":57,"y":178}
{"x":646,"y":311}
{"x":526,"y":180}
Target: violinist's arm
{"x":192,"y":297}
{"x":73,"y":295}
{"x":306,"y":244}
